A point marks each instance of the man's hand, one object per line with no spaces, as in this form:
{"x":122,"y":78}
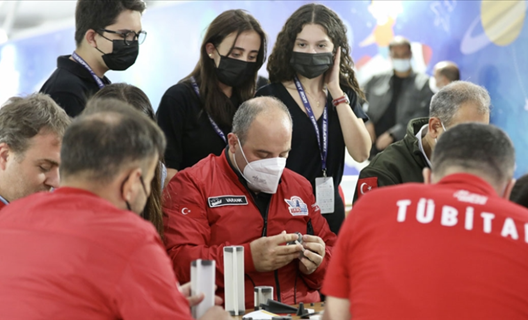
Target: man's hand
{"x":313,"y":254}
{"x":194,"y":300}
{"x":384,"y":141}
{"x":271,"y":253}
{"x":216,"y":313}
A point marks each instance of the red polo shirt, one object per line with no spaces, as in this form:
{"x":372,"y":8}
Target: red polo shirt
{"x":72,"y":255}
{"x":453,"y":250}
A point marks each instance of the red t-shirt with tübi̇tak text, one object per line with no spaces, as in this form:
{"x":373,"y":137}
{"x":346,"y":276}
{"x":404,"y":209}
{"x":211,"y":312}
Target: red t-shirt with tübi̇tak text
{"x":453,"y":250}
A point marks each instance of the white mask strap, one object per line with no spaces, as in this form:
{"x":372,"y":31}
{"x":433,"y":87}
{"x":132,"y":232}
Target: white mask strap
{"x":436,"y":141}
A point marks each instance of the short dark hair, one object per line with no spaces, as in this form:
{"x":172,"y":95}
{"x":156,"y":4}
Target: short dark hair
{"x":136,"y":98}
{"x":449,"y":70}
{"x":476,"y":148}
{"x":130,"y":94}
{"x":400,"y":41}
{"x":23,"y":118}
{"x":109,"y":136}
{"x":519,"y":192}
{"x":98,"y":14}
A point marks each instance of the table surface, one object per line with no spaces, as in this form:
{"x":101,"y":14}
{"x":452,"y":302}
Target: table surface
{"x":318,"y":306}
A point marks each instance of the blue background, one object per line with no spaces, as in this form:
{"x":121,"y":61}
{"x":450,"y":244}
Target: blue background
{"x":174,"y":35}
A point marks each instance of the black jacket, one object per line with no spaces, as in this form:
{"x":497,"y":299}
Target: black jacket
{"x":71,"y":85}
{"x":413,"y":101}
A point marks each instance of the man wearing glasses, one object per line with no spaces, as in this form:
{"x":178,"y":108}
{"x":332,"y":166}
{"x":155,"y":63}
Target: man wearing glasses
{"x":107,"y":34}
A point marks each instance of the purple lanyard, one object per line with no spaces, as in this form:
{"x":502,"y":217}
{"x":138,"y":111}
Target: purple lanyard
{"x":215,"y":126}
{"x":83,"y":63}
{"x":324,"y":148}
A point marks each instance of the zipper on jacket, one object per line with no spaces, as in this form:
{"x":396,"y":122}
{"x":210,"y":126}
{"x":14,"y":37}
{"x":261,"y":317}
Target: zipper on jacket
{"x":277,"y":285}
{"x":309,"y":228}
{"x":295,"y":288}
{"x":265,"y":217}
{"x":276,"y":272}
{"x":264,"y":234}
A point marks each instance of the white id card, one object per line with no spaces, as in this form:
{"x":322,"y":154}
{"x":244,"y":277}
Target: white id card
{"x":324,"y":194}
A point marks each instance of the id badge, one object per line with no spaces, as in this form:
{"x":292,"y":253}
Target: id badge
{"x":324,"y":194}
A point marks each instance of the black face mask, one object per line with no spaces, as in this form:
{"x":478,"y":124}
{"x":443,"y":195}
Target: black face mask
{"x":311,"y":65}
{"x":122,"y":56}
{"x":233,"y":72}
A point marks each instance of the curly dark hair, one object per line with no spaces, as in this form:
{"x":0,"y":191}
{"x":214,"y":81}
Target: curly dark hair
{"x":279,"y":67}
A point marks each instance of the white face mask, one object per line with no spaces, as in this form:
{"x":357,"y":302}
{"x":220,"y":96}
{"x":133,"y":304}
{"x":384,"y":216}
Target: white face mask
{"x":401,"y":65}
{"x":263,"y":175}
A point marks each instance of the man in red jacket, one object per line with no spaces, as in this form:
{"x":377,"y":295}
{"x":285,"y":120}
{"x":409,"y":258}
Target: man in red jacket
{"x":246,"y":197}
{"x":454,"y":249}
{"x":31,"y":131}
{"x":83,"y":252}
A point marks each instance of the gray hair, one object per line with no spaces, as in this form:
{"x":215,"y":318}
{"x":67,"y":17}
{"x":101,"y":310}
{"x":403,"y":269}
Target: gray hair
{"x":23,"y":118}
{"x":449,"y":99}
{"x":110,"y":136}
{"x":250,"y":109}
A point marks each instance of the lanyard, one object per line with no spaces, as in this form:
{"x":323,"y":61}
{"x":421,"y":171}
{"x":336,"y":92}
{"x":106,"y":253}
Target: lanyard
{"x":83,"y":63}
{"x":324,"y":148}
{"x":219,"y":132}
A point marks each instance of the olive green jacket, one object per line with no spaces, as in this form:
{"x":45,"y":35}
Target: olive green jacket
{"x":400,"y":162}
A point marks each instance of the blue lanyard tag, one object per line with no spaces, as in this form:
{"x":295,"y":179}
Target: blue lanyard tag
{"x":215,"y":126}
{"x":324,"y":148}
{"x":83,"y":63}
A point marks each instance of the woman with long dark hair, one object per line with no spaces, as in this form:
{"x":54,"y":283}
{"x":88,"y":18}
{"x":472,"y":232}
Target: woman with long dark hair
{"x":139,"y":100}
{"x":311,"y":72}
{"x":196,"y":113}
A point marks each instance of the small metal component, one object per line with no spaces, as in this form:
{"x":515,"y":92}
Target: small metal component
{"x":298,"y":241}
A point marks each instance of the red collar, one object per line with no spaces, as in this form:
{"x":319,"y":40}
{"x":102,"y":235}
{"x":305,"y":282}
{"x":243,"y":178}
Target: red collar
{"x":470,"y":182}
{"x":72,"y":190}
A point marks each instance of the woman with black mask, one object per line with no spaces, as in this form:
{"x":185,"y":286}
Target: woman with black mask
{"x":311,"y":71}
{"x":196,"y":113}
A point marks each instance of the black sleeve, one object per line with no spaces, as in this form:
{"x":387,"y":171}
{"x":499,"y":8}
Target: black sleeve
{"x":171,"y":117}
{"x":265,"y":91}
{"x":71,"y":103}
{"x":356,"y":105}
{"x":421,"y":110}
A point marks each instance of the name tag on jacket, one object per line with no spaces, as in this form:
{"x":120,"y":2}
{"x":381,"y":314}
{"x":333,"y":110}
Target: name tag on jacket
{"x":221,"y":201}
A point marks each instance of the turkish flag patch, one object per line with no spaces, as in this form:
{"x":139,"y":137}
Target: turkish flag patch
{"x":364,"y":185}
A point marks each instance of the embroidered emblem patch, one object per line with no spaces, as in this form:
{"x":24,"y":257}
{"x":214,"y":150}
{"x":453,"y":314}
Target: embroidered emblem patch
{"x":296,"y":206}
{"x":364,"y":185}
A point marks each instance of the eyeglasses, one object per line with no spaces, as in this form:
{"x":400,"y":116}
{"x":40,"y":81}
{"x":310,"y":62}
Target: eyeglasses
{"x":129,"y":36}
